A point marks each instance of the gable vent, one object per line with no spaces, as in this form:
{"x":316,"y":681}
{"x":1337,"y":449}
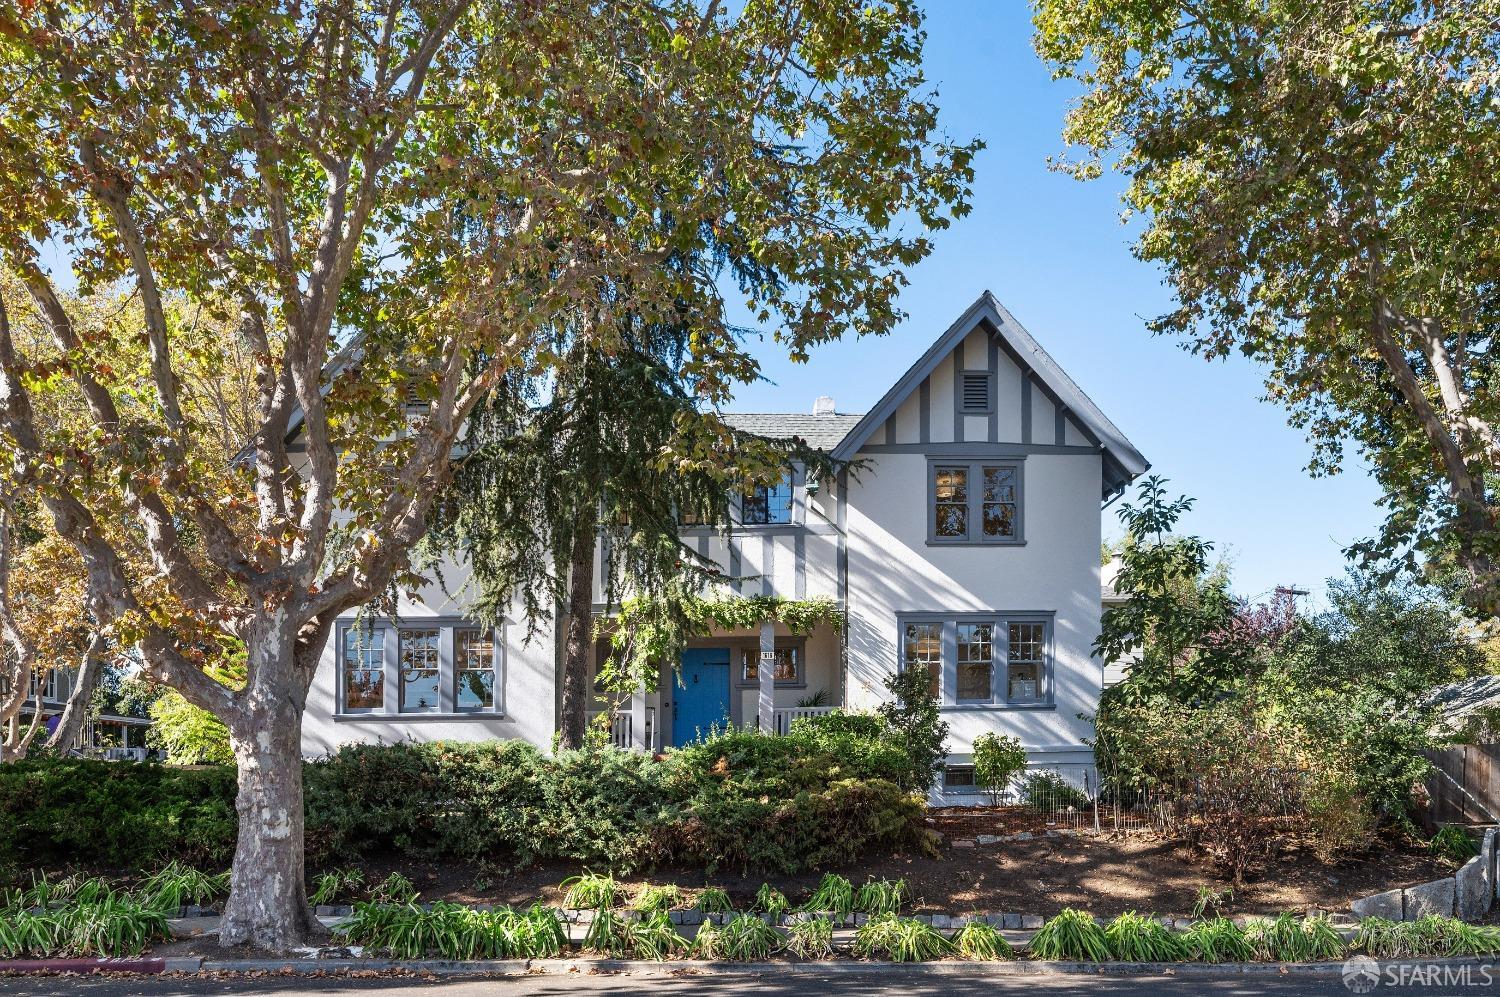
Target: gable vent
{"x":974,"y":392}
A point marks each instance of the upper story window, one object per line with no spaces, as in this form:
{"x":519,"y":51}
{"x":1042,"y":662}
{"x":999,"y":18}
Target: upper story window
{"x":440,"y":667}
{"x":974,"y":501}
{"x":767,"y":505}
{"x":977,"y":659}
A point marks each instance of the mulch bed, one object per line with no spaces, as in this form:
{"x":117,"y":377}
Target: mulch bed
{"x":1105,"y":874}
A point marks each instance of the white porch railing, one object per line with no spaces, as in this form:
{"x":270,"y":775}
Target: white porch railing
{"x":781,"y":721}
{"x":620,"y":726}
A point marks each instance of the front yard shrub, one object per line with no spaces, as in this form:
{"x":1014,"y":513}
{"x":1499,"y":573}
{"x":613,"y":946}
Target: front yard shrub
{"x":744,"y":800}
{"x":66,"y":811}
{"x":810,"y":939}
{"x":1072,"y":934}
{"x":1453,"y":843}
{"x":980,"y":941}
{"x":899,"y":939}
{"x":915,"y":716}
{"x":998,"y":759}
{"x":1135,"y":937}
{"x":1049,"y":792}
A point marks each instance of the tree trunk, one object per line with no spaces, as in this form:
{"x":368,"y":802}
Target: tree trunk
{"x":78,"y":700}
{"x":575,"y":693}
{"x":267,"y":905}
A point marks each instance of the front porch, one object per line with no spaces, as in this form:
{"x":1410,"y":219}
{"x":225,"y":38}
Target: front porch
{"x":749,"y":679}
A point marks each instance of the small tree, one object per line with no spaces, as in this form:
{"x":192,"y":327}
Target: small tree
{"x":998,"y":759}
{"x":914,"y":716}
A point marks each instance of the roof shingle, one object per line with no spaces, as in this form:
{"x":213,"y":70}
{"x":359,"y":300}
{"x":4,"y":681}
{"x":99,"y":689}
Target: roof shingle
{"x":822,"y":432}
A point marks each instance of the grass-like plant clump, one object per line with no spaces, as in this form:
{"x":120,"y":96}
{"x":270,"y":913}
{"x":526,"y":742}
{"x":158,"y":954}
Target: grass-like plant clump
{"x":176,"y":885}
{"x":1431,"y":935}
{"x":712,"y":900}
{"x":899,"y":939}
{"x":979,"y":940}
{"x":834,"y":894}
{"x":1072,"y":934}
{"x":589,"y":891}
{"x":78,"y":917}
{"x":1217,"y":939}
{"x":394,"y":889}
{"x":1289,"y":938}
{"x":1453,"y":843}
{"x":1135,"y":937}
{"x":881,"y":896}
{"x":771,"y":900}
{"x":810,"y":939}
{"x":655,"y":937}
{"x":746,"y":938}
{"x":655,"y":899}
{"x":333,"y":884}
{"x":453,"y":931}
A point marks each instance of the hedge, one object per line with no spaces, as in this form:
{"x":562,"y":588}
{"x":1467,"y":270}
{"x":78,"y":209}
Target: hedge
{"x":743,"y":800}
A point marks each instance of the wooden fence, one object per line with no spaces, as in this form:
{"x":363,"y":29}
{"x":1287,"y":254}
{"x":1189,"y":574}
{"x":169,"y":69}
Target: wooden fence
{"x":1471,"y":786}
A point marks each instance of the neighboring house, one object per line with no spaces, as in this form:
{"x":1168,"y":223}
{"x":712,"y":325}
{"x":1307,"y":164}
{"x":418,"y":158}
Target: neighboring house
{"x":110,"y":734}
{"x":966,"y":543}
{"x":1112,"y":598}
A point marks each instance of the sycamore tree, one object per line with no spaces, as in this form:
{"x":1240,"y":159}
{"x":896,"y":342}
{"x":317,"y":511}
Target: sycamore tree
{"x":388,"y":202}
{"x":1318,"y":183}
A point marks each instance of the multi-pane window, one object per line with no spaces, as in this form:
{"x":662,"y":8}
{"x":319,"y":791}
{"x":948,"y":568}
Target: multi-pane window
{"x":474,"y":669}
{"x":364,"y":669}
{"x":767,"y":505}
{"x":922,"y":647}
{"x":421,"y":666}
{"x":975,"y":502}
{"x":786,"y":664}
{"x":976,"y":662}
{"x":1027,"y":657}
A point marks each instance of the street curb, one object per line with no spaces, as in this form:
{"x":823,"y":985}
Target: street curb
{"x":685,"y":967}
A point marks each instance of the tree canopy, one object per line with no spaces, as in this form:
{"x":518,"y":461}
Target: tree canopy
{"x":1317,"y":182}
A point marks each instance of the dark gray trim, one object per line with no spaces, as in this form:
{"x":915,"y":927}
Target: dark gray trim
{"x":992,"y":363}
{"x":799,"y":565}
{"x":734,"y":565}
{"x":1017,"y":341}
{"x":1026,"y":407}
{"x":704,"y":533}
{"x":924,"y":408}
{"x":767,"y":564}
{"x":982,"y":449}
{"x":976,"y":500}
{"x":958,"y":403}
{"x":702,"y":544}
{"x":890,"y":430}
{"x":1060,"y":426}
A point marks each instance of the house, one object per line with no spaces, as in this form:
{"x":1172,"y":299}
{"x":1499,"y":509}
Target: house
{"x":965,"y":542}
{"x":109,"y":735}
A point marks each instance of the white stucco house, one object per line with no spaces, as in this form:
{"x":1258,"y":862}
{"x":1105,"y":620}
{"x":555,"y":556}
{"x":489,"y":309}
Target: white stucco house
{"x":965,"y":542}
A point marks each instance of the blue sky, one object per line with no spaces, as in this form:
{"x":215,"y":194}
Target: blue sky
{"x":1054,"y":251}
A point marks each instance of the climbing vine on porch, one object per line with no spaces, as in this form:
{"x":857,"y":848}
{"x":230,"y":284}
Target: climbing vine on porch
{"x":647,"y":631}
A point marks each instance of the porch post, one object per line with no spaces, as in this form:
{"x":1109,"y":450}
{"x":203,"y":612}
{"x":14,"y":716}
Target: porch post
{"x":638,"y":720}
{"x":766,"y":712}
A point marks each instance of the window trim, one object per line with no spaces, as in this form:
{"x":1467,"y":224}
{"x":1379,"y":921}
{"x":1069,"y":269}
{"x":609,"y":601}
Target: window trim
{"x":975,"y":503}
{"x":958,"y":392}
{"x":497,"y":651}
{"x":391,"y":692}
{"x":1001,"y":620}
{"x":341,"y":669}
{"x":972,"y":789}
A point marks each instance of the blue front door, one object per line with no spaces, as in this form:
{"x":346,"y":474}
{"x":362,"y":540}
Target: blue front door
{"x":703,"y":696}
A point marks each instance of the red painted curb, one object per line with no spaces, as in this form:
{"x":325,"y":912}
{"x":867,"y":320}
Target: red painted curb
{"x":83,"y":966}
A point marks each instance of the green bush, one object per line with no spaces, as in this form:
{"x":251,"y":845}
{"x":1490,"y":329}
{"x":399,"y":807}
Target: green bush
{"x":998,"y":758}
{"x":778,"y":804}
{"x":62,"y":812}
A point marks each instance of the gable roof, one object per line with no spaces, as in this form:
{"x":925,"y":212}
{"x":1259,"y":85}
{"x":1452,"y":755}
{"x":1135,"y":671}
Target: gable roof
{"x":1123,"y":462}
{"x":821,"y":432}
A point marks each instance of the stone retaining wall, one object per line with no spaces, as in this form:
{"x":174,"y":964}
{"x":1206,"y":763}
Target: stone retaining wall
{"x":1468,"y":894}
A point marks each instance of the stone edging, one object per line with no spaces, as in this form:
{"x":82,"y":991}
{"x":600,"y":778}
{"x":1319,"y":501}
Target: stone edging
{"x":1468,"y":894}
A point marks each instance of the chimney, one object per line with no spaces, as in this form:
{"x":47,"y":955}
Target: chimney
{"x":823,"y":405}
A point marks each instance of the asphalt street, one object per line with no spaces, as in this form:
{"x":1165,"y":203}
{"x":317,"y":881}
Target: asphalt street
{"x":718,"y":986}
